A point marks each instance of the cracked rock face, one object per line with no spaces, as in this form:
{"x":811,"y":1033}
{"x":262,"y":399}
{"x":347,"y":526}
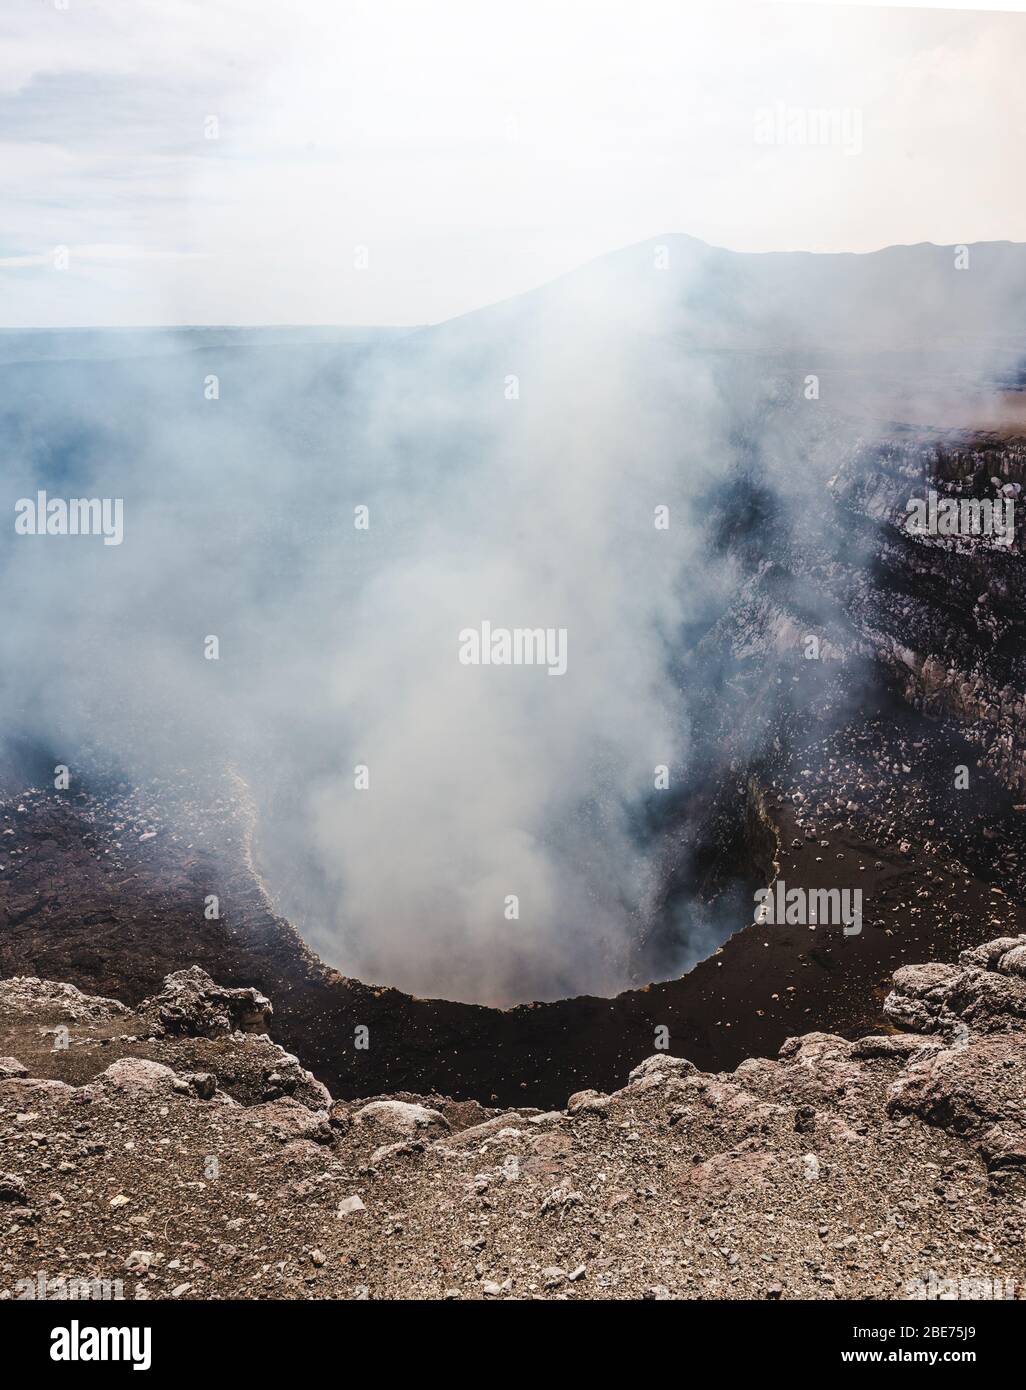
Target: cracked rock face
{"x":950,"y":631}
{"x":198,"y":1165}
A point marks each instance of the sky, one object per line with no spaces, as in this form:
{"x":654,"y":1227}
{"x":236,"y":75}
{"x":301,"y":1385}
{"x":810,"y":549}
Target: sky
{"x":391,"y":162}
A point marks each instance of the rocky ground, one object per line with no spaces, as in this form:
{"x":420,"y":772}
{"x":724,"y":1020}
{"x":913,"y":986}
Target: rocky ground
{"x":174,"y":1151}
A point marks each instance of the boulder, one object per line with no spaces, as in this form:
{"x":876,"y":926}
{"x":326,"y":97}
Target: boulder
{"x":661,"y":1064}
{"x":919,"y":998}
{"x":400,"y":1119}
{"x":138,"y":1075}
{"x":12,"y":1189}
{"x":287,"y":1120}
{"x":588,"y":1103}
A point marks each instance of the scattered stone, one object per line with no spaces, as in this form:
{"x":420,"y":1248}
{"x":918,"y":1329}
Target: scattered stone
{"x":810,"y":1167}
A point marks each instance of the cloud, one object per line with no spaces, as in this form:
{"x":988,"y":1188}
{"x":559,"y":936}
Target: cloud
{"x":473,"y":154}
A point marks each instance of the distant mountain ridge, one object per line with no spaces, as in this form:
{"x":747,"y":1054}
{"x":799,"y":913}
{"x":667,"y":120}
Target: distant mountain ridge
{"x":902,"y":297}
{"x":922,"y":297}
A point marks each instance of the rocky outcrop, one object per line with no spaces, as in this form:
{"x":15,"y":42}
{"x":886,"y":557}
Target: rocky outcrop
{"x":974,"y":1085}
{"x":884,"y":1167}
{"x":46,"y":1001}
{"x":194,"y":1037}
{"x":986,"y":991}
{"x":191,"y":1004}
{"x":975,"y":1089}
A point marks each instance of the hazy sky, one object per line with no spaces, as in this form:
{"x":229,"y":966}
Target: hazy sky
{"x":474,"y":150}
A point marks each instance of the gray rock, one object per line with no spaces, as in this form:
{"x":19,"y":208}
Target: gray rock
{"x":918,"y":1001}
{"x":493,"y":1290}
{"x":139,"y":1075}
{"x":588,"y":1103}
{"x":663,"y":1065}
{"x":477,"y":1134}
{"x":400,"y":1119}
{"x":203,"y":1083}
{"x":897,"y":1046}
{"x":53,"y":1001}
{"x":287,"y":1120}
{"x":986,"y":957}
{"x":1013,"y":961}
